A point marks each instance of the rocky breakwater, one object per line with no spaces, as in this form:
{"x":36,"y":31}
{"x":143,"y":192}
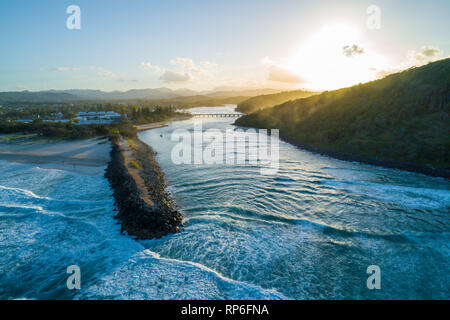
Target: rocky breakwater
{"x":146,"y":210}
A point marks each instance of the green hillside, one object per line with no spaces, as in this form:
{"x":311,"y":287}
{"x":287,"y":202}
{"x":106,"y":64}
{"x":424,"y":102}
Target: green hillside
{"x":270,"y":100}
{"x":402,"y":118}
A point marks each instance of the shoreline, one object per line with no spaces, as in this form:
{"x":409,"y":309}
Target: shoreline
{"x":430,"y":171}
{"x":150,"y":126}
{"x":87,"y":167}
{"x":161,"y":124}
{"x":145,"y":209}
{"x":87,"y":157}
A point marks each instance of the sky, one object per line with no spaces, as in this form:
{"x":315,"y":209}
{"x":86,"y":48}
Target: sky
{"x":202,"y":45}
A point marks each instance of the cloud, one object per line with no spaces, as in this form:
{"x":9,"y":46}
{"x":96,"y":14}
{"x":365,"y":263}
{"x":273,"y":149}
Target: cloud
{"x":278,"y":73}
{"x":103,"y":73}
{"x":63,"y":69}
{"x":174,"y":76}
{"x":147,"y":65}
{"x":282,"y":75}
{"x":425,"y":55}
{"x":128,"y":80}
{"x":353,"y":50}
{"x":183,"y":61}
{"x":415,"y":58}
{"x":266,"y":60}
{"x":182,"y":70}
{"x":208,"y":64}
{"x":106,"y":74}
{"x":188,"y":64}
{"x":429,"y":51}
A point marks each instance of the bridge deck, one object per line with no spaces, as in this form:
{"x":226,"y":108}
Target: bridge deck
{"x":217,"y":115}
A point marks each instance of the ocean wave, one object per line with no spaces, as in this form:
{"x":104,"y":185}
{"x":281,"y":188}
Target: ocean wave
{"x":150,"y":276}
{"x":22,"y":193}
{"x":411,"y":197}
{"x":16,"y":210}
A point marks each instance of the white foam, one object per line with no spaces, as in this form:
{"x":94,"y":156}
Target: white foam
{"x":149,"y":276}
{"x":411,"y":197}
{"x":23,"y":192}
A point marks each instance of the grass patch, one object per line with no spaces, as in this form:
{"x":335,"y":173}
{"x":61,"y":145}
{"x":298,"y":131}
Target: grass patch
{"x":135,"y":165}
{"x":132,"y":144}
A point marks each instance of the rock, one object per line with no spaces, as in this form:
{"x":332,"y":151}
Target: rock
{"x":137,"y":217}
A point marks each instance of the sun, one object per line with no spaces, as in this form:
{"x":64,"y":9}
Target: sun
{"x":320,"y":61}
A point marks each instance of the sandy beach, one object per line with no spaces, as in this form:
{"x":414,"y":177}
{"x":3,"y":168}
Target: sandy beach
{"x":150,"y":126}
{"x":88,"y":157}
{"x":161,"y":124}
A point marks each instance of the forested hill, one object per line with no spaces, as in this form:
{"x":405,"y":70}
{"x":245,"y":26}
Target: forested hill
{"x":269,"y":100}
{"x":403,"y":118}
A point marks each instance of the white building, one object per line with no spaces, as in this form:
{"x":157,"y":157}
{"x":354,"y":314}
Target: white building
{"x":101,"y":117}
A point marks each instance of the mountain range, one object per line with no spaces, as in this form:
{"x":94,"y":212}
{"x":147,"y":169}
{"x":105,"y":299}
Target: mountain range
{"x":72,"y":95}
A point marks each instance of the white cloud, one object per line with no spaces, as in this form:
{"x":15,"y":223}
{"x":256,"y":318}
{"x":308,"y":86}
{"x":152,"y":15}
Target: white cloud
{"x":267,"y":60}
{"x":103,"y":73}
{"x":106,"y":74}
{"x":279,"y":73}
{"x":64,"y":69}
{"x":183,"y":61}
{"x":208,"y":64}
{"x":425,"y":55}
{"x":189,"y":65}
{"x":149,"y":66}
{"x":174,"y":76}
{"x":182,"y":70}
{"x":415,"y":58}
{"x":128,"y":80}
{"x":283,"y":75}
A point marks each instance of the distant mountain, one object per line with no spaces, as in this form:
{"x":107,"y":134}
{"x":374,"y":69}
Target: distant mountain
{"x":36,"y":97}
{"x":199,"y":101}
{"x":75,"y":93}
{"x":269,"y":100}
{"x":237,"y":91}
{"x":72,"y":95}
{"x":160,"y":93}
{"x":185,"y":92}
{"x":401,"y":121}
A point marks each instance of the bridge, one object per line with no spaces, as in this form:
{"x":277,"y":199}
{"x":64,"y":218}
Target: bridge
{"x":218,"y":115}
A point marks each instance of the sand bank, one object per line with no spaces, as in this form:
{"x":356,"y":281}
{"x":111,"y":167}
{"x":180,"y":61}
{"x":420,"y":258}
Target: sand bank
{"x":156,"y":125}
{"x":82,"y":156}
